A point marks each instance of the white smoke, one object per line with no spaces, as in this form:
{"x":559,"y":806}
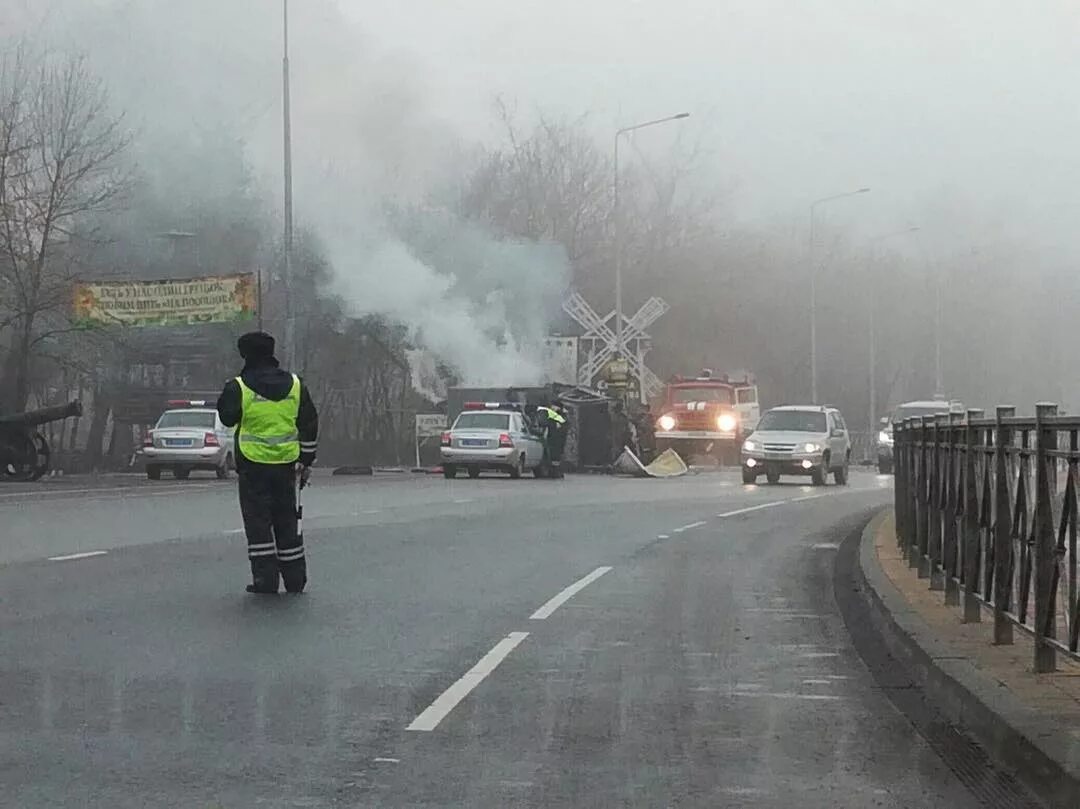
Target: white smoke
{"x":364,"y":142}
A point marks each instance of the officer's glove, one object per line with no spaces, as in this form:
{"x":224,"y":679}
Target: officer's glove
{"x":305,"y":476}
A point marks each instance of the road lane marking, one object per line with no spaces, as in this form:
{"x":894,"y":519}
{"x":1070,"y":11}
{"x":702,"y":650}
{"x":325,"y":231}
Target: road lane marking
{"x":72,"y":556}
{"x":825,"y":546}
{"x":386,"y":760}
{"x":235,"y":531}
{"x":817,"y":682}
{"x":553,"y":604}
{"x":663,"y":536}
{"x":463,"y":502}
{"x":448,"y":699}
{"x":747,"y":510}
{"x":787,"y":695}
{"x":106,"y":491}
{"x":689,"y":527}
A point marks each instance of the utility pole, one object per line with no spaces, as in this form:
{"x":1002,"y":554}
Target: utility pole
{"x":290,"y":324}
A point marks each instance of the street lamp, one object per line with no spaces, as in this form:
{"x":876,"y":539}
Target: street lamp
{"x":813,"y":288}
{"x":871,"y":324}
{"x":289,"y":354}
{"x":618,"y":231}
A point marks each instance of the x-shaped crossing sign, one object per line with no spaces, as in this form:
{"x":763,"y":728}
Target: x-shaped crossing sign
{"x":600,"y":333}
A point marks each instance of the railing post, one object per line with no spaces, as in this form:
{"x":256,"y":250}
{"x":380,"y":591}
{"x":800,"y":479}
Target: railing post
{"x":1045,"y":555}
{"x":972,"y":608}
{"x":951,"y":552}
{"x":898,"y":486}
{"x":1003,"y":440}
{"x":937,"y":580}
{"x":911,"y":492}
{"x":921,"y":558}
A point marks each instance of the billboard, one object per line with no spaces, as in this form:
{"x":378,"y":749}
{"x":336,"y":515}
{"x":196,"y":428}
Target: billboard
{"x":171,"y":302}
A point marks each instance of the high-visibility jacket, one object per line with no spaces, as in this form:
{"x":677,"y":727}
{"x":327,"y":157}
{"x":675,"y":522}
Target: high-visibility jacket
{"x":267,"y":430}
{"x":551,"y":415}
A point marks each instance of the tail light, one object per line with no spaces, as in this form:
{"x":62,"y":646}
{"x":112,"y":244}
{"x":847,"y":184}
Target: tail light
{"x":445,"y":439}
{"x":148,"y":439}
{"x":211,"y":440}
{"x":505,"y":440}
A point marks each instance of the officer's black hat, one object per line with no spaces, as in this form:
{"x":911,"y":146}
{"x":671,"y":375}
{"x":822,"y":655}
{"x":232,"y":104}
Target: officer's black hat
{"x":255,"y":345}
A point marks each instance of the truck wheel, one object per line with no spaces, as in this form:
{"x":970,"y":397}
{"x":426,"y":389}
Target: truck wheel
{"x":474,"y":472}
{"x":449,"y":471}
{"x":748,"y":476}
{"x":153,"y":472}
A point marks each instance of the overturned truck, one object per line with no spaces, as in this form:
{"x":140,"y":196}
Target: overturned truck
{"x":24,"y":451}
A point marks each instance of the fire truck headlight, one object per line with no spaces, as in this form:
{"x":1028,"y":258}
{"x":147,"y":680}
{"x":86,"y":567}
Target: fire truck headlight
{"x":727,"y":423}
{"x":667,"y":423}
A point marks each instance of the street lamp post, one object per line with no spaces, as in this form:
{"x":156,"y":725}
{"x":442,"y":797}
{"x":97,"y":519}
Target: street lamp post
{"x":290,"y":324}
{"x":872,"y":327}
{"x":616,"y":224}
{"x":813,"y":288}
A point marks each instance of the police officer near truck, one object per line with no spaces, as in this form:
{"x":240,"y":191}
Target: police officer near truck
{"x":277,"y":430}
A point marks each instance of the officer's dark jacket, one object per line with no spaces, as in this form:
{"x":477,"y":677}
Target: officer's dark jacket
{"x":266,"y":378}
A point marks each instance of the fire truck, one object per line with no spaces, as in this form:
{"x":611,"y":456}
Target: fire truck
{"x":707,"y":415}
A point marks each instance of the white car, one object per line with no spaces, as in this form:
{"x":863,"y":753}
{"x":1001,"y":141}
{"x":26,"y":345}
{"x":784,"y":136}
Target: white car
{"x":189,"y":437}
{"x":491,"y":436}
{"x":805,"y":440}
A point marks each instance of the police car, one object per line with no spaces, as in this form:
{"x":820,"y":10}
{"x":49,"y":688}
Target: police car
{"x":188,"y":436}
{"x":492,"y":436}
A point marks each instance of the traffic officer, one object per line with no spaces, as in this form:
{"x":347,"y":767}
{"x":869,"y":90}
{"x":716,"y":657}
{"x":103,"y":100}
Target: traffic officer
{"x":553,"y":424}
{"x":277,"y":429}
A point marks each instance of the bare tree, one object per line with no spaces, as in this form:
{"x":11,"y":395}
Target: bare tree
{"x":59,"y":164}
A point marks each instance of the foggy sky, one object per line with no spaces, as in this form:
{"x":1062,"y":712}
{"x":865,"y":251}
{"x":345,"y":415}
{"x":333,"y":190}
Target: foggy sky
{"x":974,"y":98}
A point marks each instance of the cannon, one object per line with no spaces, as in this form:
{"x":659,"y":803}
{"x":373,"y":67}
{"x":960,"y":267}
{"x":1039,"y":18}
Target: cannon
{"x":24,"y":452}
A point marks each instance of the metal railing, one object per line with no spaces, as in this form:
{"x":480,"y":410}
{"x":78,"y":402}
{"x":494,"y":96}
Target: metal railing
{"x":979,"y":514}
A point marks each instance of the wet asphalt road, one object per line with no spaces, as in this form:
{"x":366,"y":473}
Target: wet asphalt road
{"x":708,"y":666}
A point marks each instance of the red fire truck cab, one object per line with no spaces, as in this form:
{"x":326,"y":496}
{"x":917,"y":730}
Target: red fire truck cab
{"x":707,"y":415}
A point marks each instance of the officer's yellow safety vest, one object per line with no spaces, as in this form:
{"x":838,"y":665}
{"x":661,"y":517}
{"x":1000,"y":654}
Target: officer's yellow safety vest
{"x":267,"y":431}
{"x":551,"y":414}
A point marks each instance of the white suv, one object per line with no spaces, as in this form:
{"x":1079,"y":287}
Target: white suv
{"x":805,"y":440}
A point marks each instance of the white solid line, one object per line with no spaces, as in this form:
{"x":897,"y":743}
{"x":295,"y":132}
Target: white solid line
{"x":72,"y":556}
{"x":560,"y":599}
{"x":738,"y":511}
{"x":689,"y":527}
{"x":448,"y":699}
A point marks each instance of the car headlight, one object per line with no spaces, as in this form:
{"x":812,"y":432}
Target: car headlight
{"x":811,"y":447}
{"x":667,"y":423}
{"x":885,"y":437}
{"x":749,"y":446}
{"x":727,"y":423}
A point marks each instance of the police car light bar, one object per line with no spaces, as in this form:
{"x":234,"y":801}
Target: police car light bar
{"x":490,"y":406}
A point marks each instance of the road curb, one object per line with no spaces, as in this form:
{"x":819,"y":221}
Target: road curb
{"x":1012,"y":733}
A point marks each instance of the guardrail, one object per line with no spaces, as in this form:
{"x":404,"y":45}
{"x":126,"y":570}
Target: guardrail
{"x":979,"y":513}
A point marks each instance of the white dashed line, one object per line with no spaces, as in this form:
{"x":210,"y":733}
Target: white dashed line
{"x":72,"y":556}
{"x":386,"y":760}
{"x":747,"y":510}
{"x":787,"y":695}
{"x":547,"y":609}
{"x":448,"y":699}
{"x":663,"y":536}
{"x":689,"y":527}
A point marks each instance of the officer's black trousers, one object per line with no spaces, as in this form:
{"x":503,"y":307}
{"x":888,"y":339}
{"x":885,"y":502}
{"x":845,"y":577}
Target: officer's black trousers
{"x":268,"y":505}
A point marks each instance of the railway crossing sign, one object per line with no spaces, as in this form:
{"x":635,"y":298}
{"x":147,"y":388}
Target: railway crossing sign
{"x":598,"y":345}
